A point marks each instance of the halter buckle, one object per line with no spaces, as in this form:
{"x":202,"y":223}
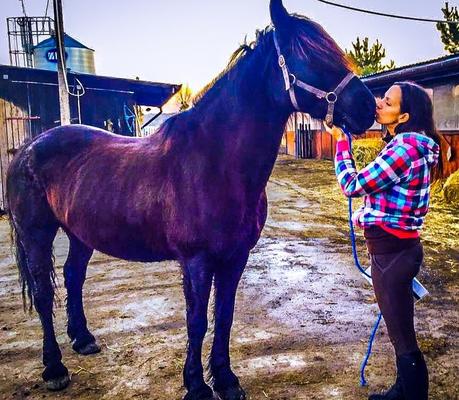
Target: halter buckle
{"x":281,"y":61}
{"x":293,"y":79}
{"x":331,"y":97}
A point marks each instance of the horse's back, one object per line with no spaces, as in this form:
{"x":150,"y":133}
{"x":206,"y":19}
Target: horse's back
{"x":67,"y":142}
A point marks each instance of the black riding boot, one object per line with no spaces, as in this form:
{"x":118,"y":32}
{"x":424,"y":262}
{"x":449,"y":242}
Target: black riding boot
{"x":414,"y":376}
{"x":394,"y":393}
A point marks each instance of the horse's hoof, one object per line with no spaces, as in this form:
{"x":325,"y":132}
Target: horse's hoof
{"x":57,"y":384}
{"x":204,"y":393}
{"x":231,"y":393}
{"x":56,"y":376}
{"x":89,"y":348}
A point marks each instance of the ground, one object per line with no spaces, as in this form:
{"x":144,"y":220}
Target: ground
{"x":302,"y":321}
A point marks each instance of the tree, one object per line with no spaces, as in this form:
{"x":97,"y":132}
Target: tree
{"x":450,"y":32}
{"x":368,"y":60}
{"x":184,"y":98}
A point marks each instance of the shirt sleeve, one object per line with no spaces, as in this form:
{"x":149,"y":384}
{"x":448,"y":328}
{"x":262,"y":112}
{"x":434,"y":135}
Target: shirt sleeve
{"x":388,"y":169}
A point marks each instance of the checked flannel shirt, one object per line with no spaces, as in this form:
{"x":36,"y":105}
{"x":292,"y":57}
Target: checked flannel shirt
{"x":395,"y":185}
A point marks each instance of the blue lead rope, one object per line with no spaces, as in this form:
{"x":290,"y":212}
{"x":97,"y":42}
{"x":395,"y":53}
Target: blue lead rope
{"x":363,"y":381}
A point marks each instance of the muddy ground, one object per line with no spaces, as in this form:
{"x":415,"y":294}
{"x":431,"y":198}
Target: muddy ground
{"x":302,"y":321}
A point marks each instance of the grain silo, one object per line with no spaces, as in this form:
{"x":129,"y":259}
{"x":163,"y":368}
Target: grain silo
{"x":79,"y":58}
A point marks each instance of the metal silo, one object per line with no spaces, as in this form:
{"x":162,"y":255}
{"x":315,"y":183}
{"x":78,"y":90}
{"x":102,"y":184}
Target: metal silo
{"x":79,"y":58}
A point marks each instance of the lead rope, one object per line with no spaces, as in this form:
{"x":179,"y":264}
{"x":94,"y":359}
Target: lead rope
{"x":363,"y":381}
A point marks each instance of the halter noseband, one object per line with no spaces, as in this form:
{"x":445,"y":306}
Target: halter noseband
{"x":290,"y":81}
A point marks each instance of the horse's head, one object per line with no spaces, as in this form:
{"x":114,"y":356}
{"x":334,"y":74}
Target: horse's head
{"x":313,"y":75}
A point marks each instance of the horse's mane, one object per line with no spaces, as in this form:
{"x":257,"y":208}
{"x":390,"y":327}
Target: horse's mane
{"x":244,"y":49}
{"x":307,"y":40}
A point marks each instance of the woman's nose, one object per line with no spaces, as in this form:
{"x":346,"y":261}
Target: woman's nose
{"x":378,"y":102}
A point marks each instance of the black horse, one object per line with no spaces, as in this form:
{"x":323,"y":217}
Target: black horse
{"x":192,"y":192}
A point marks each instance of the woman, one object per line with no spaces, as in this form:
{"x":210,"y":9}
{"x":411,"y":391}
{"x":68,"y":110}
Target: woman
{"x":396,"y":187}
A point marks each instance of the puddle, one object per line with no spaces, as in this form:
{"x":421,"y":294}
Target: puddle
{"x":305,"y":287}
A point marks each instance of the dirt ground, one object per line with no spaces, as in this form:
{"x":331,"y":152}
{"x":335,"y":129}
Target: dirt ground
{"x":302,"y":320}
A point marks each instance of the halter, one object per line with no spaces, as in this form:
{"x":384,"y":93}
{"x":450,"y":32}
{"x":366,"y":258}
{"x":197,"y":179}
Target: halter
{"x":290,"y":81}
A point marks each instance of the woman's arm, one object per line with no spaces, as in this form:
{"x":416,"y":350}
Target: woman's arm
{"x":388,"y":169}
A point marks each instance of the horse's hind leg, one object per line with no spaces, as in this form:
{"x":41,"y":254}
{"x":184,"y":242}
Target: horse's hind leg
{"x":36,"y":244}
{"x":227,"y":277}
{"x":75,"y":275}
{"x":34,"y":227}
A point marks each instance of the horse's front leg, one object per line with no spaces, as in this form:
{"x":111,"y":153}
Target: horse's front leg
{"x":197,"y":282}
{"x":227,"y":277}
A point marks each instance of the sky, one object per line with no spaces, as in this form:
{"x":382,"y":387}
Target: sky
{"x":190,"y":41}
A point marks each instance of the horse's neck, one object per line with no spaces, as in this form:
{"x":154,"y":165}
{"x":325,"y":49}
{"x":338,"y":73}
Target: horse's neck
{"x":244,"y":124}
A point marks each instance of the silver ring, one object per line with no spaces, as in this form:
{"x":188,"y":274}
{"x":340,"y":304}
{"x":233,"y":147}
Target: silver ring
{"x":327,"y":97}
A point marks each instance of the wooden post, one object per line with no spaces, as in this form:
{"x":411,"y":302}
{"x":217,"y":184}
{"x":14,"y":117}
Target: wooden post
{"x":61,"y":69}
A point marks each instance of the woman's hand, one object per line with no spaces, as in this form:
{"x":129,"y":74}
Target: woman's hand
{"x":336,"y":132}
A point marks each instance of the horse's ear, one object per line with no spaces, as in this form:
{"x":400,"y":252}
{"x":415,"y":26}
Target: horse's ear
{"x":279,"y":15}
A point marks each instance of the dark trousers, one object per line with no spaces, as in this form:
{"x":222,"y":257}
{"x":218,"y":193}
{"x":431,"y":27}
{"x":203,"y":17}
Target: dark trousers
{"x":392,"y":275}
{"x":394,"y":264}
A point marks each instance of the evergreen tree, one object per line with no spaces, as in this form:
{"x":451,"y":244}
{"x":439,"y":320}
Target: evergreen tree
{"x":368,"y":60}
{"x":450,"y":32}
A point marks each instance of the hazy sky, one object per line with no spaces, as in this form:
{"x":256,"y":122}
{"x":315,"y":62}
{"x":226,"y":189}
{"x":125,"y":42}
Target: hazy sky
{"x":190,"y":41}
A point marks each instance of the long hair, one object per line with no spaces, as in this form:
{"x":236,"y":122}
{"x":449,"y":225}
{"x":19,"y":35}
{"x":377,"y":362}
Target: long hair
{"x":418,"y":104}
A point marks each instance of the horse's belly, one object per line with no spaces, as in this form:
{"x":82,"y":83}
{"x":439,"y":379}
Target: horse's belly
{"x":134,"y":252}
{"x":116,"y":238}
{"x":127,"y":247}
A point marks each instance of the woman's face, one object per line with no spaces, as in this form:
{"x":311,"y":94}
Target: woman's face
{"x":388,"y":108}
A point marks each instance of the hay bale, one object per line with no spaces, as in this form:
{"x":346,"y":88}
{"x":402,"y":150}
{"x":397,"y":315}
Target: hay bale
{"x":366,"y":150}
{"x":436,"y":191}
{"x":451,"y":188}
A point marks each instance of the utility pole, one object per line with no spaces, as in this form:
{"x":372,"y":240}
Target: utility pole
{"x":61,"y":69}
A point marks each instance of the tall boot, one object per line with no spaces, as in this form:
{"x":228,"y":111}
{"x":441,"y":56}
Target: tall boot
{"x":414,"y":376}
{"x":394,"y":393}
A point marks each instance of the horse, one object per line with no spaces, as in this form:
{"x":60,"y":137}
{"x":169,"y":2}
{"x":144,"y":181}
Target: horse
{"x":194,"y":191}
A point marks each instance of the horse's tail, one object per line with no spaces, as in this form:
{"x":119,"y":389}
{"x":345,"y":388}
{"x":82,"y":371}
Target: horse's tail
{"x":15,"y":173}
{"x":25,"y":279}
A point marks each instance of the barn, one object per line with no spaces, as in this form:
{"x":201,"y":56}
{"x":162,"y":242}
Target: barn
{"x":29,"y":104}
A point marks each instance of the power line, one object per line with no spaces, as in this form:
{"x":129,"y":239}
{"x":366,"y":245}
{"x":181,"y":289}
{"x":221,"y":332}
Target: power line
{"x":388,"y":15}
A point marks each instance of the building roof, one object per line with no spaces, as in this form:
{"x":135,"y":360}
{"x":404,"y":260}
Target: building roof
{"x":428,"y":72}
{"x":144,"y":92}
{"x":69,"y":42}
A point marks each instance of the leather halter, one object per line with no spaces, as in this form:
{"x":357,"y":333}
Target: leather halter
{"x":291,"y":81}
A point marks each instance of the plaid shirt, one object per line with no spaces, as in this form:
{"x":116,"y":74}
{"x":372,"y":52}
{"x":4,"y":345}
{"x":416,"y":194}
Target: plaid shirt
{"x":395,"y":185}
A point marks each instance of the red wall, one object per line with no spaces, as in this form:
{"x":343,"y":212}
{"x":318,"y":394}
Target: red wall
{"x":450,"y":166}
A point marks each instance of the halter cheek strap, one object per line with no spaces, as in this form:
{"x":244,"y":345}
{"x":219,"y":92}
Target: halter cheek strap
{"x":291,"y":81}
